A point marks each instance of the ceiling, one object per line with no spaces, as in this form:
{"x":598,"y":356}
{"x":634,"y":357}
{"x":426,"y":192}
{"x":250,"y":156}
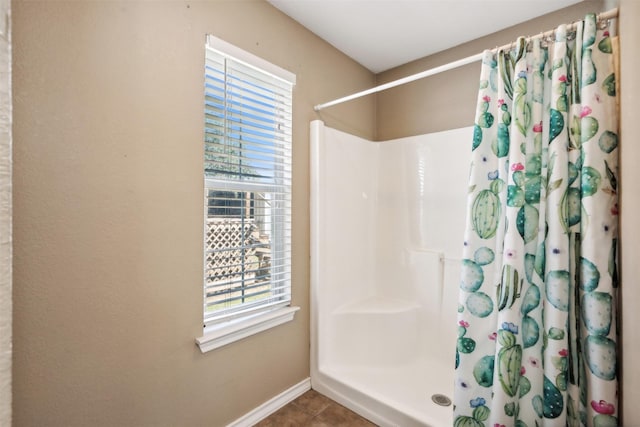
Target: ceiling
{"x":382,"y":34}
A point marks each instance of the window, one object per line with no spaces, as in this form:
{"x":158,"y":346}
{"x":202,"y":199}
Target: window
{"x":247,"y":181}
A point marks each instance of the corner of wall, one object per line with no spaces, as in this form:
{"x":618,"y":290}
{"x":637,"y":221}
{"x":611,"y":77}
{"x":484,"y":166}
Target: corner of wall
{"x":629,"y":206}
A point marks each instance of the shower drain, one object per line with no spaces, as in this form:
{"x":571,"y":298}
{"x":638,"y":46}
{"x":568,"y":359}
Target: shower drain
{"x":441,"y":399}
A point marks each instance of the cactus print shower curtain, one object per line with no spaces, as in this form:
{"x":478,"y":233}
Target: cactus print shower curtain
{"x":537,"y":310}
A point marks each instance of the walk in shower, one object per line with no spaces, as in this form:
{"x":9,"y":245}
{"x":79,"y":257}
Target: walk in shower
{"x":387,"y":223}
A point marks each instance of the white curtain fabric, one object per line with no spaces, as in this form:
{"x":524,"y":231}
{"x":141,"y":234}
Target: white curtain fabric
{"x":537,"y":336}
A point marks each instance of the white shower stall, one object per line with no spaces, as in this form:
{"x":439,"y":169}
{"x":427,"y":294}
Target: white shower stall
{"x":387,"y":226}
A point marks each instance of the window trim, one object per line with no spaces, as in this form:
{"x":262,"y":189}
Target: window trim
{"x":216,"y":335}
{"x":250,"y":59}
{"x":221,"y":334}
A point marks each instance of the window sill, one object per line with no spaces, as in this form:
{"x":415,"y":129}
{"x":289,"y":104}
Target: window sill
{"x":220,"y":335}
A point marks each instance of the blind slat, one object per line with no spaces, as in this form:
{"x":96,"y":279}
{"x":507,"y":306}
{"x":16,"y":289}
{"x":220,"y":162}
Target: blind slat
{"x":247,"y":171}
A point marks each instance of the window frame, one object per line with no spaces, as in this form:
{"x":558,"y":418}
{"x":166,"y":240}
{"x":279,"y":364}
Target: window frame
{"x":240,"y":323}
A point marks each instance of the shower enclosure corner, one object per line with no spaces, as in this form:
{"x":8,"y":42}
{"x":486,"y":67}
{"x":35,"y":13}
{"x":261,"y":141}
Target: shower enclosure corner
{"x":387,"y":222}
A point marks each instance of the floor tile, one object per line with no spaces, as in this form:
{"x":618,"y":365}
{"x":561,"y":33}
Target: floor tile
{"x":312,"y":402}
{"x":287,"y":416}
{"x":338,"y":416}
{"x":312,"y":409}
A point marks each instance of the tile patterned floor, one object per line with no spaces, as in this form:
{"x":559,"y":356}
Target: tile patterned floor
{"x":314,"y":410}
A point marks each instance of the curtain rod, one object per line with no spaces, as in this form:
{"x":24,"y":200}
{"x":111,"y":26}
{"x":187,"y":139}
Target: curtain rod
{"x":610,"y":14}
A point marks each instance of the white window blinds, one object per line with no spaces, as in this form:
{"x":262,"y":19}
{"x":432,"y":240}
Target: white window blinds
{"x":247,"y":175}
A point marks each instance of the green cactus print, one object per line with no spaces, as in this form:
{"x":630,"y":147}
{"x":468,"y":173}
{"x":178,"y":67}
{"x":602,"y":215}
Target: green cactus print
{"x":479,"y":304}
{"x":477,"y":136}
{"x":531,"y":299}
{"x":558,"y":289}
{"x":500,"y":145}
{"x":480,"y":413}
{"x":574,"y":132}
{"x":465,"y":345}
{"x":486,"y":214}
{"x":510,"y":409}
{"x":611,"y":177}
{"x":538,"y":405}
{"x":484,"y":256}
{"x":603,"y":420}
{"x":589,"y":36}
{"x":553,"y":401}
{"x":527,"y":222}
{"x":537,"y":317}
{"x":529,"y":266}
{"x":509,"y":362}
{"x":597,"y":312}
{"x":590,"y":181}
{"x":589,"y":74}
{"x":530,"y":332}
{"x":556,"y":333}
{"x":483,"y":371}
{"x":522,"y":111}
{"x":533,"y":184}
{"x":463,"y":421}
{"x":486,"y":121}
{"x":472,"y":277}
{"x":525,"y":386}
{"x":605,"y":45}
{"x":570,"y":208}
{"x":600,"y":353}
{"x":509,"y":288}
{"x":608,"y":141}
{"x":515,"y":196}
{"x":540,"y":259}
{"x":609,"y":85}
{"x":589,"y":275}
{"x":556,"y":124}
{"x":588,"y":128}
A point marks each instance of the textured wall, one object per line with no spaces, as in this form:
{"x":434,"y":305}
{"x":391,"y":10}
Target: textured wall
{"x":108,"y":210}
{"x":5,"y":214}
{"x":629,"y":208}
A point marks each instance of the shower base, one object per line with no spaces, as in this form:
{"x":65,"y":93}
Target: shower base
{"x":391,"y":395}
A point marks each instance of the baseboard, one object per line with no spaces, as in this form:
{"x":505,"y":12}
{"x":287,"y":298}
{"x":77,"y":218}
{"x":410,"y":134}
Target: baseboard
{"x":272,"y":405}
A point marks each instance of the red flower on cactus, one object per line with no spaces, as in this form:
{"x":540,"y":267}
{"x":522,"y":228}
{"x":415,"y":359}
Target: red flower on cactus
{"x":522,"y":370}
{"x":563,"y":78}
{"x":563,"y":352}
{"x":605,"y":34}
{"x":463,"y":323}
{"x":517,"y":167}
{"x":486,"y":98}
{"x":493,"y":336}
{"x":603,"y":407}
{"x":586,"y":110}
{"x":537,"y":127}
{"x":500,"y":102}
{"x":614,"y":209}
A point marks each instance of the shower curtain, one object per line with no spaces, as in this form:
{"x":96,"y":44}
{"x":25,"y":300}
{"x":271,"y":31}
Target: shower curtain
{"x":537,"y":310}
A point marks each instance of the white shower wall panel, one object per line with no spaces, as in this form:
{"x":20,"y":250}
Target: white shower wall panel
{"x":348,"y":216}
{"x":387,"y":224}
{"x":421,"y":207}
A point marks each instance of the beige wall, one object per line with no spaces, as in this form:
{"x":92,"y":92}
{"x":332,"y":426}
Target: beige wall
{"x":448,"y":100}
{"x":5,"y":214}
{"x":107,"y":201}
{"x":629,"y":208}
{"x":108,"y":210}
